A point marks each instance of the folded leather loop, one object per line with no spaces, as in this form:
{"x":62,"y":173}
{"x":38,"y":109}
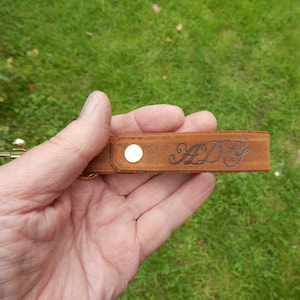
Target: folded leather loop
{"x":193,"y":152}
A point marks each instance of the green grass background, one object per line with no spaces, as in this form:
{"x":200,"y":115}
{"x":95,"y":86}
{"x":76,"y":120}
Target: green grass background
{"x":239,"y":59}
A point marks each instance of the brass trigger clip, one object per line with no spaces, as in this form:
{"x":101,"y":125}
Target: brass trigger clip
{"x":19,"y":148}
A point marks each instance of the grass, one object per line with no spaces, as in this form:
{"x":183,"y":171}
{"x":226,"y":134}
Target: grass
{"x":238,"y":59}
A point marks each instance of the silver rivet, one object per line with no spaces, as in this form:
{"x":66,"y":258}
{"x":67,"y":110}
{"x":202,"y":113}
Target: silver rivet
{"x":133,"y":153}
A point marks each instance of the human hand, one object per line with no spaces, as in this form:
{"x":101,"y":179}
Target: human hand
{"x":66,"y":238}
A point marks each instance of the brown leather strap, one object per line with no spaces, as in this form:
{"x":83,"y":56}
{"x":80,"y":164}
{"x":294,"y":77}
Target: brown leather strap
{"x":221,"y":151}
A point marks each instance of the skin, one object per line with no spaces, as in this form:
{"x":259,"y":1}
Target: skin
{"x":66,"y":238}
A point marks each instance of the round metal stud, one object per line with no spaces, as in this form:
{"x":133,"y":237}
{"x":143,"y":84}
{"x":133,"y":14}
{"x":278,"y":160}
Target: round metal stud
{"x":133,"y":153}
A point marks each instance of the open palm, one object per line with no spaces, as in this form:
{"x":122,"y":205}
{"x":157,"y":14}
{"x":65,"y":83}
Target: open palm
{"x":66,"y":238}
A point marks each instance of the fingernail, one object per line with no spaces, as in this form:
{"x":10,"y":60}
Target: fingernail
{"x":89,"y":107}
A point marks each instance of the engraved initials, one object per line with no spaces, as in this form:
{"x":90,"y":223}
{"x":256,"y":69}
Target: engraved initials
{"x":229,"y":152}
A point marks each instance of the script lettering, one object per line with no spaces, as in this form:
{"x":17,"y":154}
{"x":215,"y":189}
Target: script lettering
{"x":228,"y":152}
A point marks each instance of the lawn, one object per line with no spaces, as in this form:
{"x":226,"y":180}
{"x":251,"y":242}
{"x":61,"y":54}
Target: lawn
{"x":239,"y":59}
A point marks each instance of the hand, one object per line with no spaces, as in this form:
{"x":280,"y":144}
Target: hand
{"x":66,"y":238}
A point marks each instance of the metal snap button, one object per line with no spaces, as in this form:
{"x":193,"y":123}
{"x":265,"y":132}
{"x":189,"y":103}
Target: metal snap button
{"x":133,"y":153}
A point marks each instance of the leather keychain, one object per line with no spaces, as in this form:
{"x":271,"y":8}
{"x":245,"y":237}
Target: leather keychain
{"x":188,"y":152}
{"x":220,"y":151}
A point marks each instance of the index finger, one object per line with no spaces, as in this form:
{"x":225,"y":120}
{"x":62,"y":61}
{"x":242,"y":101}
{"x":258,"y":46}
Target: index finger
{"x":151,"y":118}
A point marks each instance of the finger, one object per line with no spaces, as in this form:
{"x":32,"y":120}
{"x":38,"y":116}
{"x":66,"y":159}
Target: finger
{"x":152,"y":118}
{"x":55,"y":164}
{"x":153,"y":192}
{"x":199,"y":121}
{"x":123,"y":184}
{"x":196,"y":122}
{"x":156,"y":225}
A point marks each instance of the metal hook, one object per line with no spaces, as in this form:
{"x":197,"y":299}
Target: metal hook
{"x":88,"y":176}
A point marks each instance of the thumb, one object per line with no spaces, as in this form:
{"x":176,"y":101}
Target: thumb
{"x":55,"y":164}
